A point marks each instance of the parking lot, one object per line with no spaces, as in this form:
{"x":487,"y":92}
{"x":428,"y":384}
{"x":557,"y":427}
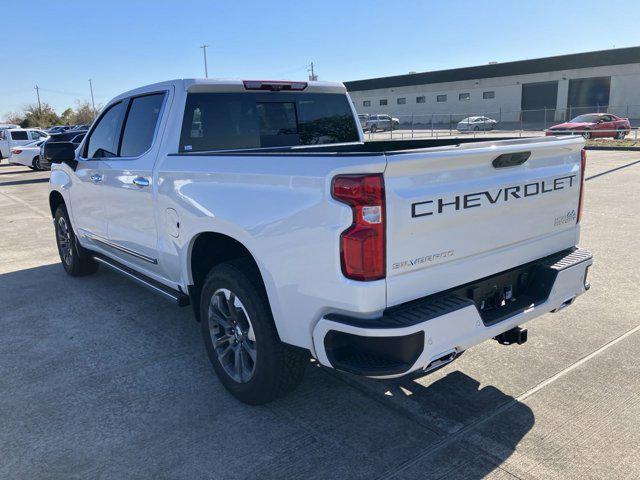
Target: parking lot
{"x":99,"y":378}
{"x":405,"y":133}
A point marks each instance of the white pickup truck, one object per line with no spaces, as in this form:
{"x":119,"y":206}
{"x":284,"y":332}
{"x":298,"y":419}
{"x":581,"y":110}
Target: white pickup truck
{"x":260,"y":204}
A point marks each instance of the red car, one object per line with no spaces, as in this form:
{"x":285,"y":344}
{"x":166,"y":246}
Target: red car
{"x":593,"y":125}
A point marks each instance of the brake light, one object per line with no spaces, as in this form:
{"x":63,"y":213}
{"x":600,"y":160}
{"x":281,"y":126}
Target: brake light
{"x":273,"y":85}
{"x":17,"y":152}
{"x":583,"y":165}
{"x":362,"y":245}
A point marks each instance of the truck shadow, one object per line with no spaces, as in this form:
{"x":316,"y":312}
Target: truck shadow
{"x":24,"y":182}
{"x":98,"y":362}
{"x":478,"y":426}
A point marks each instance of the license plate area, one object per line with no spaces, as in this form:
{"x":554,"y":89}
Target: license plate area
{"x":508,"y":293}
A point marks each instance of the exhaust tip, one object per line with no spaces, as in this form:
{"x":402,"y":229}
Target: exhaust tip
{"x":441,"y":360}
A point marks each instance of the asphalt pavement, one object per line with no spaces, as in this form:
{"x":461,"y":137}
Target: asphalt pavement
{"x":99,"y":378}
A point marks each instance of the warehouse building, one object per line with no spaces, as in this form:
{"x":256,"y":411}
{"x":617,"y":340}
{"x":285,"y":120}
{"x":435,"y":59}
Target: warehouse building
{"x":538,"y":91}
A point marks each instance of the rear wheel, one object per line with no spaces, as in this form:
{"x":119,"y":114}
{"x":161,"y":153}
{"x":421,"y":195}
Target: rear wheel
{"x":76,"y":260}
{"x":586,"y":134}
{"x":476,"y":128}
{"x":35,"y":164}
{"x":373,"y":128}
{"x":241,"y":338}
{"x":620,"y":134}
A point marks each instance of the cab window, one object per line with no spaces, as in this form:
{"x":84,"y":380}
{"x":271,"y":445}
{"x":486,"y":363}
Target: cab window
{"x":140,"y":125}
{"x":104,"y":138}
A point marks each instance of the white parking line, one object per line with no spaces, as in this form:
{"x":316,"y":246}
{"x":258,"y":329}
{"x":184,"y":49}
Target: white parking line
{"x":518,"y":399}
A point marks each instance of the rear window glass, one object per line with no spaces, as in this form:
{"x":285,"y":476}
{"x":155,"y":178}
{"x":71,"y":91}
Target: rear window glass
{"x":232,"y":121}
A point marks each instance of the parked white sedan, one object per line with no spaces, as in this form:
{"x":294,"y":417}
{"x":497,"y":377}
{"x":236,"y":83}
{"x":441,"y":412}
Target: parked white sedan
{"x":475,"y":124}
{"x":27,"y":155}
{"x":14,"y":137}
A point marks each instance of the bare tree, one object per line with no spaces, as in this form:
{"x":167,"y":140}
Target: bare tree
{"x":14,"y":118}
{"x":84,"y":113}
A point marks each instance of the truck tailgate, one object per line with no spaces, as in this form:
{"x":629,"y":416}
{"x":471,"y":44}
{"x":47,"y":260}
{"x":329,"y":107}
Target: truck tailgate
{"x":458,"y":214}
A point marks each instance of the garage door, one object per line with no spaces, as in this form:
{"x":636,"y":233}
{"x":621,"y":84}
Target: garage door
{"x":588,"y":95}
{"x":536,"y":99}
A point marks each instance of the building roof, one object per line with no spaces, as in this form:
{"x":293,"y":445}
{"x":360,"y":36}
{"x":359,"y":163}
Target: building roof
{"x":617,"y":56}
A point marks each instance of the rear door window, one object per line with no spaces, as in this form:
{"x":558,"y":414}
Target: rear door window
{"x":231,"y":121}
{"x":19,"y":135}
{"x":141,"y":124}
{"x":104,"y":138}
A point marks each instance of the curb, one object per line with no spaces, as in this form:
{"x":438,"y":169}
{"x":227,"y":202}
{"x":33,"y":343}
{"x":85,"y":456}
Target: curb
{"x":619,"y":149}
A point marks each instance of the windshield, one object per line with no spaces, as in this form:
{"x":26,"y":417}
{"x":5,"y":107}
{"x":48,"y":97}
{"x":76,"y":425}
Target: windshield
{"x":233,"y":121}
{"x":585,"y":119}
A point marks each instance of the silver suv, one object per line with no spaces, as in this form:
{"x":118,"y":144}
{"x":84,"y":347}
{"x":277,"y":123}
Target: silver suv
{"x":376,"y":123}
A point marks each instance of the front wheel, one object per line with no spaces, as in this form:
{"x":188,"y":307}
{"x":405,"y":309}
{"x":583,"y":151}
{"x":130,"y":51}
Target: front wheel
{"x":241,"y":338}
{"x":76,"y":260}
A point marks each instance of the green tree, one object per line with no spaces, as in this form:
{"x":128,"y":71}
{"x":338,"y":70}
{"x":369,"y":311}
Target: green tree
{"x":67,"y":117}
{"x":43,"y":116}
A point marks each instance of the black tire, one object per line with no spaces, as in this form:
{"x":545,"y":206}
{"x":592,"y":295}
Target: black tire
{"x":373,"y":128}
{"x":36,"y":163}
{"x":586,"y":134}
{"x":620,"y":134}
{"x":476,"y":128}
{"x":277,"y":368}
{"x":76,"y":260}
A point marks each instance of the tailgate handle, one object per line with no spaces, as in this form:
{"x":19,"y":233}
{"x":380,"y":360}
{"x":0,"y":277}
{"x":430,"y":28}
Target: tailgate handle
{"x":511,"y":159}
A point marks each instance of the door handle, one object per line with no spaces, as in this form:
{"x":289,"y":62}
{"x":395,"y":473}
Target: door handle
{"x":141,"y":182}
{"x":96,"y":177}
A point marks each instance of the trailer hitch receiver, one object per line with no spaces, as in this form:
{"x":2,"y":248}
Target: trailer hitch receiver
{"x":515,"y":335}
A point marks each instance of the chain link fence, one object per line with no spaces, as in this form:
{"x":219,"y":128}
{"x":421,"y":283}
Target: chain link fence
{"x":518,"y":122}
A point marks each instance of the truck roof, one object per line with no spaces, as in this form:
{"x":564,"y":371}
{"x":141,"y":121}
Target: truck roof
{"x":233,"y":85}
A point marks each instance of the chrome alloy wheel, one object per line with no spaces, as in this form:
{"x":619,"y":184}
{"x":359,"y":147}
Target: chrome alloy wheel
{"x":63,"y":234}
{"x":232,"y":335}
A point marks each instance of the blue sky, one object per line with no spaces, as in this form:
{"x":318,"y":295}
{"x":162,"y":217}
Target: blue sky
{"x":59,"y":45}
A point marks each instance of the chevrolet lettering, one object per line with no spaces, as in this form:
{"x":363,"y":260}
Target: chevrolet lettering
{"x":486,"y":198}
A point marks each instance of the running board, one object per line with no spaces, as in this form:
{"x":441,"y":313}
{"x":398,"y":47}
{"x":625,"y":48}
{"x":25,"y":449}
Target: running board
{"x":177,"y":297}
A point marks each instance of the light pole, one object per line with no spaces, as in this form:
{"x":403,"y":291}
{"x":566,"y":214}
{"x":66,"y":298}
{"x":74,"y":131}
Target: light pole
{"x":39,"y":104}
{"x":204,"y":52}
{"x":93,"y":103}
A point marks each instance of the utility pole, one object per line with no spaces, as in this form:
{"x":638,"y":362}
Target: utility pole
{"x":312,"y":75}
{"x":39,"y":104}
{"x":204,"y":52}
{"x":93,"y":103}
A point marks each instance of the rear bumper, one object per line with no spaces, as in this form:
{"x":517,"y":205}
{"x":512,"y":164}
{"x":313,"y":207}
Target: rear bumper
{"x":422,"y":334}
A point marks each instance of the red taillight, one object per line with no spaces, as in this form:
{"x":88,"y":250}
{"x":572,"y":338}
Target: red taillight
{"x":362,"y":245}
{"x":17,"y":152}
{"x":583,"y":165}
{"x":274,"y":86}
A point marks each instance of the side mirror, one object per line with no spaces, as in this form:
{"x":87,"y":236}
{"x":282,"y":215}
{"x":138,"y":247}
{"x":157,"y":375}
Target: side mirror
{"x":59,"y":152}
